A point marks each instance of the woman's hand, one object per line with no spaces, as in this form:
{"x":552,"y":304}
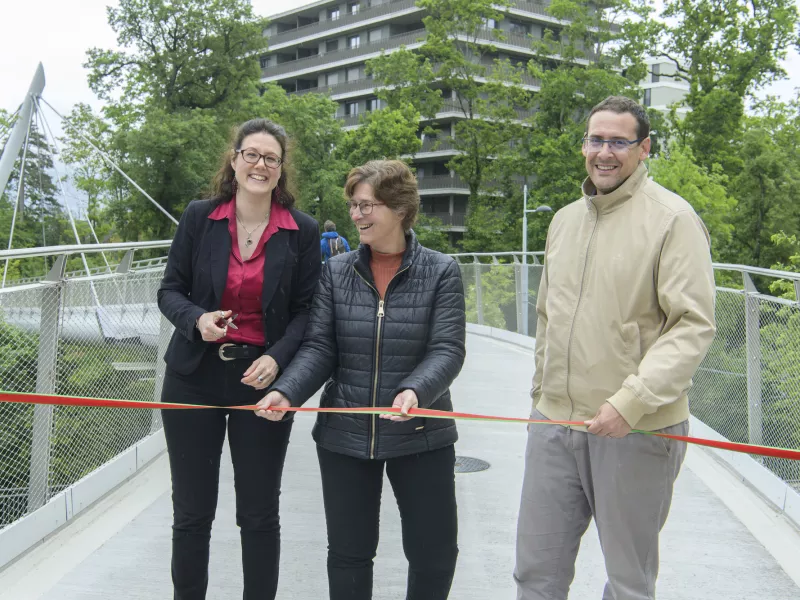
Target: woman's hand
{"x":405,"y":401}
{"x":273,"y":399}
{"x":261,"y":373}
{"x":207,"y":325}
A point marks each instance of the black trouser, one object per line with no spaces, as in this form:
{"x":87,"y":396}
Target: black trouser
{"x":424,"y":486}
{"x":194,"y":442}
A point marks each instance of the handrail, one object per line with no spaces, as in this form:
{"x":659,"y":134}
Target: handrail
{"x":17,"y":253}
{"x":81,"y":248}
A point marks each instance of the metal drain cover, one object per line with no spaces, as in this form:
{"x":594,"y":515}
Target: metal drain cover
{"x":465,"y":464}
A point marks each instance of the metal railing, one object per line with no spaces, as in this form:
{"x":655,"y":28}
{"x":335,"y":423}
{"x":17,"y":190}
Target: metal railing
{"x":448,"y":219}
{"x":748,"y":386}
{"x":442,"y":182}
{"x":347,"y":87}
{"x":99,"y":336}
{"x":345,"y":20}
{"x":104,"y":337}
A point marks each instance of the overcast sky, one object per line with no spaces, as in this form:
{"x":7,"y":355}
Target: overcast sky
{"x":58,"y":33}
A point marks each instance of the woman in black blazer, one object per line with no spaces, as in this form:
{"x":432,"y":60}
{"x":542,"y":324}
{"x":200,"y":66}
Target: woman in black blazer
{"x":238,"y":286}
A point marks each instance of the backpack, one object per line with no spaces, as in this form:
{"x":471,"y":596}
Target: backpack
{"x":336,"y":246}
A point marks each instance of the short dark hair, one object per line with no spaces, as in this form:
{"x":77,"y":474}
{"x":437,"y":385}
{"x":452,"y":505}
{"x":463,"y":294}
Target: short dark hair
{"x":330,"y":225}
{"x":222,"y":187}
{"x":392,"y":183}
{"x":622,"y":105}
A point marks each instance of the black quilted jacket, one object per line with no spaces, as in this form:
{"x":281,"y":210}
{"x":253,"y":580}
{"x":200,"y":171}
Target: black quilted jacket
{"x":369,"y":350}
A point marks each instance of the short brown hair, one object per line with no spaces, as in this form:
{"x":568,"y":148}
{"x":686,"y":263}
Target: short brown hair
{"x":622,"y":105}
{"x":329,"y":226}
{"x":392,"y":183}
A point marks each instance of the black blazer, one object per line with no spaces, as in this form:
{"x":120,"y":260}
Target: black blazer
{"x":197,"y":269}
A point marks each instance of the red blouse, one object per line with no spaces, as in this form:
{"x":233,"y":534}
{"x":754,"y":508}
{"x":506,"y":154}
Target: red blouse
{"x":245,"y":281}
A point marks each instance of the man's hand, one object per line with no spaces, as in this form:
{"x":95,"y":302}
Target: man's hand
{"x":608,"y":423}
{"x":270,"y":400}
{"x":405,"y":401}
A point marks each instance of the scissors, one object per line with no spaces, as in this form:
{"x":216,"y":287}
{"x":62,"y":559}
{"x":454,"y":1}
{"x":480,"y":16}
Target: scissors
{"x":229,"y":322}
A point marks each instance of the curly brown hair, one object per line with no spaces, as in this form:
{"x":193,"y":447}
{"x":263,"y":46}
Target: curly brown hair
{"x":222,"y":188}
{"x":392,"y":183}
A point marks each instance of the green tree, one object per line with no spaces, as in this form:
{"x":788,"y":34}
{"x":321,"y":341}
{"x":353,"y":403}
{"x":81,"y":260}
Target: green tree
{"x":187,"y":72}
{"x":595,"y":54}
{"x":765,"y":189}
{"x":383,"y":134}
{"x":458,"y":56}
{"x":725,"y":50}
{"x":705,"y":191}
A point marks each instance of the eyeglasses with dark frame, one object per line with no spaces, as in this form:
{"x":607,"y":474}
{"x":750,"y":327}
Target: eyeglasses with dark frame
{"x":365,"y":208}
{"x":595,"y":144}
{"x":252,"y":156}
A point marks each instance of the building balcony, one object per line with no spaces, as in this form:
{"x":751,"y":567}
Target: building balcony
{"x":329,"y":60}
{"x":339,"y":90}
{"x":450,"y":221}
{"x":513,"y":42}
{"x":451,"y":108}
{"x":442,"y":184}
{"x":345,"y":22}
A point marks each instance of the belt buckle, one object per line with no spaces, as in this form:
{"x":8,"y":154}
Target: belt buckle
{"x":221,"y":352}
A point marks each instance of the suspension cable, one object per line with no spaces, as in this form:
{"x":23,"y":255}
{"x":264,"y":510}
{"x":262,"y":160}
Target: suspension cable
{"x":20,"y":187}
{"x":110,"y":161}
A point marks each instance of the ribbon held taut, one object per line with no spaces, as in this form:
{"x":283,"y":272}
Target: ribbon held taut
{"x":52,"y":399}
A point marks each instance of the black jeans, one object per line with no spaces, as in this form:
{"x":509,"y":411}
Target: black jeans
{"x":194,"y":443}
{"x":424,"y":486}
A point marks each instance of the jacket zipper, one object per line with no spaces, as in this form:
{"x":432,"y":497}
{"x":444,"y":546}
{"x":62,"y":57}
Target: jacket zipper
{"x":374,"y":394}
{"x":577,"y":310}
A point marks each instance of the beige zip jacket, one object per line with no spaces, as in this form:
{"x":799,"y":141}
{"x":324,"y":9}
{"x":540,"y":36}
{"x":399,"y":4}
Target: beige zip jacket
{"x":625,"y":306}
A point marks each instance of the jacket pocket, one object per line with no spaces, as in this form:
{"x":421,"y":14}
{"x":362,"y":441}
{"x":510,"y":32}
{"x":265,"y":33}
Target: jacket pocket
{"x":632,"y":340}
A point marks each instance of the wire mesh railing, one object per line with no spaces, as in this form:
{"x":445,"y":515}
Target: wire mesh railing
{"x":748,"y":386}
{"x":104,"y":337}
{"x":96,"y":337}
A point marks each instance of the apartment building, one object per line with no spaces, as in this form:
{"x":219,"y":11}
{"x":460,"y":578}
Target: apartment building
{"x":323,"y":48}
{"x":661,"y":88}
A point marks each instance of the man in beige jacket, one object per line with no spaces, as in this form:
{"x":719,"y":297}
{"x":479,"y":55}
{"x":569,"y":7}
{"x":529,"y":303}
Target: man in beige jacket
{"x":625,"y":316}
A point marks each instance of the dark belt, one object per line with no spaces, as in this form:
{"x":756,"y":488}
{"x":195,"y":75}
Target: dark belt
{"x":234,"y":351}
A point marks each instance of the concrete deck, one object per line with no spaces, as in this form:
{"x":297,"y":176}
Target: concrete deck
{"x":728,"y":547}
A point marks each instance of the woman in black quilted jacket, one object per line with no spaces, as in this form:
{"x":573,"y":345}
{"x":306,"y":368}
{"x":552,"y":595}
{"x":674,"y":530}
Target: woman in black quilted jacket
{"x":387,"y":328}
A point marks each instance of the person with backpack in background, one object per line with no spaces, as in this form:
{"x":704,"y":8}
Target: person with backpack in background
{"x":332,"y":243}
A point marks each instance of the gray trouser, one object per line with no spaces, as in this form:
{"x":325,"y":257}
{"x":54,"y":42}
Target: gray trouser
{"x":570,"y":476}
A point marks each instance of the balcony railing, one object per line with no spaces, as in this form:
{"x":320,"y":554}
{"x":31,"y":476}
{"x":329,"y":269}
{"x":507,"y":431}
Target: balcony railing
{"x":437,"y":144}
{"x":442,"y":182}
{"x":537,"y":8}
{"x":347,"y":87}
{"x":324,"y":60}
{"x":452,"y":106}
{"x":448,"y":220}
{"x":348,"y":120}
{"x":364,"y":14}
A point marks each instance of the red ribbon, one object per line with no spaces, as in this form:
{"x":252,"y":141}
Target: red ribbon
{"x":16,"y":397}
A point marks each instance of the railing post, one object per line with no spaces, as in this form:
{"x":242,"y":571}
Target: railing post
{"x":519,"y":281}
{"x":478,"y":290}
{"x":753,"y":349}
{"x":50,"y":316}
{"x":164,"y":335}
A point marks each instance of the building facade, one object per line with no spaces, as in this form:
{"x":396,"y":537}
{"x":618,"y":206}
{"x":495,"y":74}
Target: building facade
{"x":661,"y":89}
{"x":323,"y":47}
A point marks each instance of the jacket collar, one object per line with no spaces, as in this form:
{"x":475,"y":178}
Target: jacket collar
{"x":364,"y":253}
{"x":609,"y":202}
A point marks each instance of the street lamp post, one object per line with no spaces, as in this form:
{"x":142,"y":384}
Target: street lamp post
{"x":539,"y":209}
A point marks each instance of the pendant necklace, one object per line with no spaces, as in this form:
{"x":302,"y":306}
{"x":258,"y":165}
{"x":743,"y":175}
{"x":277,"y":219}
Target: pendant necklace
{"x":249,"y":241}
